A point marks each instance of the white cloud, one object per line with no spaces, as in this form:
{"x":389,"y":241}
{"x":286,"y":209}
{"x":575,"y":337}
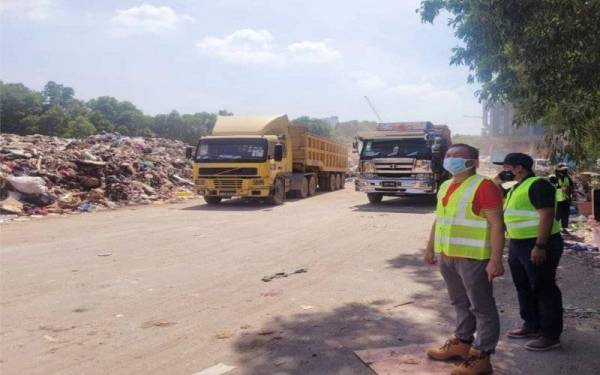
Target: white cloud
{"x":312,"y":52}
{"x":34,"y":9}
{"x":249,"y":46}
{"x":146,"y":19}
{"x":243,"y":46}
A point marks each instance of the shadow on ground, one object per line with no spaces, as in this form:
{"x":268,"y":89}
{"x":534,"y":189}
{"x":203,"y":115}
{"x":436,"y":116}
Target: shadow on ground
{"x":324,"y":343}
{"x":409,"y":205}
{"x":239,"y":204}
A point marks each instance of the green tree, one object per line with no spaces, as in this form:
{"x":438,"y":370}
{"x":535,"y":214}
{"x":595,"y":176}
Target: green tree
{"x":79,"y":127}
{"x":17,"y":103}
{"x":54,"y":122}
{"x":58,"y":95}
{"x":315,"y":126}
{"x":540,"y":55}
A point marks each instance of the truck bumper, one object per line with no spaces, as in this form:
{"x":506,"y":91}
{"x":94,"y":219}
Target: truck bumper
{"x":394,"y":186}
{"x":231,"y":188}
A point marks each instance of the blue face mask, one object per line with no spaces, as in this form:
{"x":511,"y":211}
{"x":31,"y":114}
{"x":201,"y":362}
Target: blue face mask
{"x":456,"y":165}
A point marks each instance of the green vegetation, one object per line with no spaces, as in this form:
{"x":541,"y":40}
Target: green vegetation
{"x":540,"y":55}
{"x":55,"y":111}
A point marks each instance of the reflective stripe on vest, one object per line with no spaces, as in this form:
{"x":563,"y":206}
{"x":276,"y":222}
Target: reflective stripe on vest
{"x":520,"y":215}
{"x":459,"y":232}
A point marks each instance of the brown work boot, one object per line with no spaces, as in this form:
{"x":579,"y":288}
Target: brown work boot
{"x":478,"y":363}
{"x":522,"y":333}
{"x":452,"y":349}
{"x":542,"y":344}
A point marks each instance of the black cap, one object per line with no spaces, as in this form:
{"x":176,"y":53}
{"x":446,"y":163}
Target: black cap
{"x":517,"y":158}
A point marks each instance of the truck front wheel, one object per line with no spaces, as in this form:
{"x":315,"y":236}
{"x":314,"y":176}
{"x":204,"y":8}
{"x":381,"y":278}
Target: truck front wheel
{"x":312,"y":185}
{"x":277,"y":197}
{"x":212,"y":200}
{"x":374,"y":198}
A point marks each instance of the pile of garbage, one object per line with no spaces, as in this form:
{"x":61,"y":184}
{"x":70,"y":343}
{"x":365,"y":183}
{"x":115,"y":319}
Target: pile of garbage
{"x":42,"y":175}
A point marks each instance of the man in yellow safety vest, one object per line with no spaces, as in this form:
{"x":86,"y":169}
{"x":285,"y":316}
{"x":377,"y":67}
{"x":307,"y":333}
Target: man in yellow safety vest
{"x":468,"y":235}
{"x":535,"y":249}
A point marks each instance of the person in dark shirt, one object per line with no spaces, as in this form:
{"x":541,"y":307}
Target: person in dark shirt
{"x":535,"y":249}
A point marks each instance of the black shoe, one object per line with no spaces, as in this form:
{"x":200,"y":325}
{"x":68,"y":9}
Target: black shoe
{"x":522,"y":333}
{"x":542,"y":344}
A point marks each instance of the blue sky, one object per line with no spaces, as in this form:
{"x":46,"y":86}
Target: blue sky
{"x":317,"y":58}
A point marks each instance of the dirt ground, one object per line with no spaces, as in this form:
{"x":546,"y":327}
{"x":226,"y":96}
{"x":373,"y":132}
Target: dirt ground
{"x":175,"y":289}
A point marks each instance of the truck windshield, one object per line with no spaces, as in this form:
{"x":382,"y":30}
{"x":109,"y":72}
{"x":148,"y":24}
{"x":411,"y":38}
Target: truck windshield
{"x":399,"y":148}
{"x":232,"y":150}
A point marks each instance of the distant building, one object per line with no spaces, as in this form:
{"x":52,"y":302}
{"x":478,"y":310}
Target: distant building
{"x":503,"y":137}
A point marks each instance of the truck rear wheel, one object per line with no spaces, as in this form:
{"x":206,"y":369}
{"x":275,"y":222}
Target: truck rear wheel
{"x":277,"y":196}
{"x":374,"y":197}
{"x":338,"y":181}
{"x":212,"y":200}
{"x":312,"y":185}
{"x":343,"y":176}
{"x":332,"y":182}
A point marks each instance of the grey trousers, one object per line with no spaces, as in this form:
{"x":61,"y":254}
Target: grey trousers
{"x":472,"y":296}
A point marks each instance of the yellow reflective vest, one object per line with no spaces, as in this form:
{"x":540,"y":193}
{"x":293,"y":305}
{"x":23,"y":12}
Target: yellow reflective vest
{"x":520,"y":215}
{"x":458,"y":231}
{"x":563,"y":182}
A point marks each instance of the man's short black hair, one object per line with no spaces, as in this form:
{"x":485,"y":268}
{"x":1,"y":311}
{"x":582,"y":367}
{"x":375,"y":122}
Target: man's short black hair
{"x":472,"y":151}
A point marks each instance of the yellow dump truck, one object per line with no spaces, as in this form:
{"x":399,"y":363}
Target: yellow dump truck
{"x":265,"y":157}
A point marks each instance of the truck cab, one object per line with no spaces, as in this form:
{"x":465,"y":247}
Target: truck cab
{"x":401,"y":159}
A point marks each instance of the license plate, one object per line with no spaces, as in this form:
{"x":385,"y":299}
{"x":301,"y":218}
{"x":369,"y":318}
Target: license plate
{"x":226,"y":194}
{"x":388,"y":183}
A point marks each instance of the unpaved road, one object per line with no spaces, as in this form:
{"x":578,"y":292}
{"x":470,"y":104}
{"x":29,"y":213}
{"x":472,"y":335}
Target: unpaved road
{"x":175,"y":289}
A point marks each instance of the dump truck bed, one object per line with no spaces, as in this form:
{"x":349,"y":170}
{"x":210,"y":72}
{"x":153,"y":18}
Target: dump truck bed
{"x":314,"y":153}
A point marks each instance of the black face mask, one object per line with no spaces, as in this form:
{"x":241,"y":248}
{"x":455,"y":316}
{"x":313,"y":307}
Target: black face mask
{"x":506,"y":176}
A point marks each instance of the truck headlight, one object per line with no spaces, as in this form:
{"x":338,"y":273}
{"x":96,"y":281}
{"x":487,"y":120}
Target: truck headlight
{"x":368,"y":166}
{"x":424,"y":165}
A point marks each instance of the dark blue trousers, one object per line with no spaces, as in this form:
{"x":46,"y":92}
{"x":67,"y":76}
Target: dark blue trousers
{"x":540,"y":299}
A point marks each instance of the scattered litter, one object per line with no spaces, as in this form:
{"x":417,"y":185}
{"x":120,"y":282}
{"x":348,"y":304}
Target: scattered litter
{"x":157,"y":323}
{"x":223,"y":335}
{"x":271,"y":293}
{"x":580,"y":246}
{"x":265,"y":332}
{"x":119,"y":316}
{"x":307,"y":307}
{"x":50,"y":338}
{"x":104,"y":254}
{"x":404,"y":303}
{"x":217,"y":369}
{"x":86,"y":207}
{"x":279,"y":275}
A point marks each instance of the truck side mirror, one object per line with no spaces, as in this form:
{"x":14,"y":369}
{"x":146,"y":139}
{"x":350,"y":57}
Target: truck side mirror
{"x":278,"y":152}
{"x":188,"y":152}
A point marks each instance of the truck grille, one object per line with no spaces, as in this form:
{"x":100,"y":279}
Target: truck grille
{"x":227,"y":171}
{"x":393,"y":166}
{"x":228,"y":184}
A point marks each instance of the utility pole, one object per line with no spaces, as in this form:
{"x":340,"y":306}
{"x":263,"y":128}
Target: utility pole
{"x":373,"y":109}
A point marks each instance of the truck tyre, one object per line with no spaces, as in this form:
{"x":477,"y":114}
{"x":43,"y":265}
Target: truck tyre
{"x":324,"y":183}
{"x":303,"y":192}
{"x":343,"y":175}
{"x":212,"y":200}
{"x":312,"y":185}
{"x":374,"y":197}
{"x":277,"y":196}
{"x":338,"y":181}
{"x":332,"y":182}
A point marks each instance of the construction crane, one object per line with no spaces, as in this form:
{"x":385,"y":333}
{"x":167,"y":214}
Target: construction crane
{"x":373,"y":109}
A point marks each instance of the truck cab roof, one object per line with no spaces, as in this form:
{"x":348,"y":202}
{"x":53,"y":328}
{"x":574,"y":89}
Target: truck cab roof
{"x":251,"y":125}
